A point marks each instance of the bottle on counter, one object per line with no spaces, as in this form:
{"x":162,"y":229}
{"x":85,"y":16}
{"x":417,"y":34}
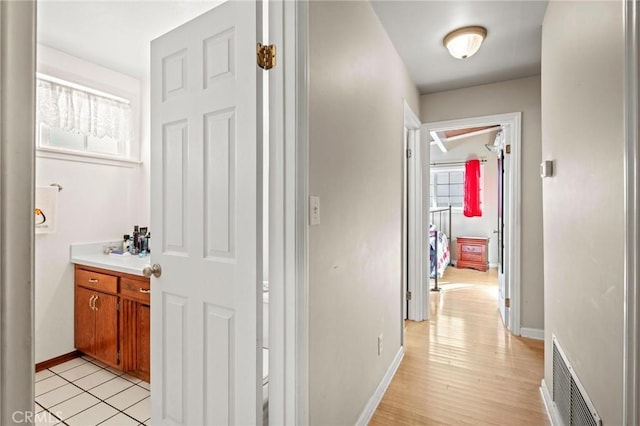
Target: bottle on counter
{"x":136,"y":239}
{"x":126,"y":244}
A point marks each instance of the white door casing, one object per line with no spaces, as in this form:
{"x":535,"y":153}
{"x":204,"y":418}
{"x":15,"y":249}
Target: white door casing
{"x":413,"y":240}
{"x":206,"y":216}
{"x":511,"y":122}
{"x":17,"y":153}
{"x":415,"y":266}
{"x":631,"y":360}
{"x":405,"y":228}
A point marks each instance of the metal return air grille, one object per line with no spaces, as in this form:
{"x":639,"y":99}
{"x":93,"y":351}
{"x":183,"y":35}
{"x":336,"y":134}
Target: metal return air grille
{"x":571,"y":401}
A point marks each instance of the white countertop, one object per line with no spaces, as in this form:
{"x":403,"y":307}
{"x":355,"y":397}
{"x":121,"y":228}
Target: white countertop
{"x":92,"y":255}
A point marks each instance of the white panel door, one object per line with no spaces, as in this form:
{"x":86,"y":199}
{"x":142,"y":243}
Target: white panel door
{"x":503,"y":215}
{"x":206,"y":221}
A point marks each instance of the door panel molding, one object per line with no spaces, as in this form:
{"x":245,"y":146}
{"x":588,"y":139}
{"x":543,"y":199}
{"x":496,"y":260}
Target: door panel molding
{"x":206,"y":204}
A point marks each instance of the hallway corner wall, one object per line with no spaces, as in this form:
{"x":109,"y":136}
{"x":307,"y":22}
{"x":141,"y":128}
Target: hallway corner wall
{"x":356,"y":122}
{"x":583,"y":134}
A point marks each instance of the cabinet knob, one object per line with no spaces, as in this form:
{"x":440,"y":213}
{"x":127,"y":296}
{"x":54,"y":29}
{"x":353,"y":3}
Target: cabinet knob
{"x":155,"y":270}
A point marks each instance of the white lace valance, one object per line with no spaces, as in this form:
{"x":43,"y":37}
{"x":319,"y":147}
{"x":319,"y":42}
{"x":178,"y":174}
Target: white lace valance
{"x":70,"y":109}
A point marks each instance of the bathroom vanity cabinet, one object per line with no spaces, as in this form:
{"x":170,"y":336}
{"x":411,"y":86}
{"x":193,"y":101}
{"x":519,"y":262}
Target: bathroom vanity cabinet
{"x":112,"y":318}
{"x":135,"y":314}
{"x":96,"y":316}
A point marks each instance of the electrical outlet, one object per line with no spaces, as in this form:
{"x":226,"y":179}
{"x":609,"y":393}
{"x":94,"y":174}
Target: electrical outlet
{"x":380,"y":346}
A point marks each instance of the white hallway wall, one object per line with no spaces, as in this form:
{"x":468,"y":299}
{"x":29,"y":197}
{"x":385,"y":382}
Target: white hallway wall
{"x":98,"y":203}
{"x":356,"y":122}
{"x":509,"y":96}
{"x":582,"y":132}
{"x":483,"y":226}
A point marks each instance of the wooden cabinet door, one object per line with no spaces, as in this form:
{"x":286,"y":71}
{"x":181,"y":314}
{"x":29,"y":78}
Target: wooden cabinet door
{"x":136,"y":331}
{"x":84,"y":323}
{"x":106,"y":330}
{"x":143,"y":341}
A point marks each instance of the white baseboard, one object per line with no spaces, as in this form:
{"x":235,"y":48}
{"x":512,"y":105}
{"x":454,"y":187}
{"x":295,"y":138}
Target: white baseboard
{"x":532,"y":333}
{"x":550,"y":407}
{"x":375,"y":399}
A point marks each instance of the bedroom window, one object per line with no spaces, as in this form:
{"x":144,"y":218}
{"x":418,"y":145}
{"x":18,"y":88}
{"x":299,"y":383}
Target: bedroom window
{"x":447,"y":188}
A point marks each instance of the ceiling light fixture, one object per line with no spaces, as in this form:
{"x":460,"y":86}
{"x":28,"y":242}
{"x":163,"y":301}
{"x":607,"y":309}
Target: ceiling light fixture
{"x":464,"y":42}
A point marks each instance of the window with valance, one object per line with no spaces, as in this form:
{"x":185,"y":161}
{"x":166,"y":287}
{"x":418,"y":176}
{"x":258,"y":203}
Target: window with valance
{"x":73,"y":118}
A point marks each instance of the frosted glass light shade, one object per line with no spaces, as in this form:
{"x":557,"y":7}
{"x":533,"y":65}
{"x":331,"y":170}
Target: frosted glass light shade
{"x":464,"y":42}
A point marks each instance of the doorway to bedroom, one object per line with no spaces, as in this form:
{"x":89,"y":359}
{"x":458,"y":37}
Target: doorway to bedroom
{"x":466,"y":207}
{"x":471,"y":186}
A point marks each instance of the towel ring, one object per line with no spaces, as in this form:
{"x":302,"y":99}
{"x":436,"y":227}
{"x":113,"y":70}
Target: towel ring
{"x":58,"y":185}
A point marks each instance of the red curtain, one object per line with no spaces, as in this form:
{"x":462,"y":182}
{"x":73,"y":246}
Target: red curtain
{"x":472,"y":205}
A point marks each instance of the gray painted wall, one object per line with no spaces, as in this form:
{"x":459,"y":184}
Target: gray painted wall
{"x":582,"y":131}
{"x":357,"y":83}
{"x":510,"y":96}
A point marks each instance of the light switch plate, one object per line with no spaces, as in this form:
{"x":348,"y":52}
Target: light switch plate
{"x":314,"y":210}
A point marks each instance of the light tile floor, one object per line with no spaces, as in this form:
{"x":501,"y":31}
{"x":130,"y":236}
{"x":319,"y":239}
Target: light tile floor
{"x":85,"y":392}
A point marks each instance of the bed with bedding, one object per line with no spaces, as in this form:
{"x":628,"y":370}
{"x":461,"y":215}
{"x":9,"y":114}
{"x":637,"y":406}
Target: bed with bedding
{"x":439,"y":251}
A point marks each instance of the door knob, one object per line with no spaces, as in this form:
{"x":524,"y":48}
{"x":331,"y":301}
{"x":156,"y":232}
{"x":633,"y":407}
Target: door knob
{"x":154,"y":270}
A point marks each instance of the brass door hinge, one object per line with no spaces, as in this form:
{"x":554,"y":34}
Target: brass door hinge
{"x":507,"y":149}
{"x":408,"y":295}
{"x":266,"y":56}
{"x":507,"y":303}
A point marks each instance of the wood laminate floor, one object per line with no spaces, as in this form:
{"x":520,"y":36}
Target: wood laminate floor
{"x":463,"y":367}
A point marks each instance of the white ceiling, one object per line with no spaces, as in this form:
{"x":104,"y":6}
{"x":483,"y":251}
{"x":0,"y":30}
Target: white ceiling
{"x":511,"y":49}
{"x":114,"y":34}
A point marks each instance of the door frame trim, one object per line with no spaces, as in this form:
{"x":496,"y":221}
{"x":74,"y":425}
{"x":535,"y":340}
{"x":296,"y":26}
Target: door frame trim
{"x":298,"y":207}
{"x":414,"y":257}
{"x":17,"y":163}
{"x":513,"y":120}
{"x":631,"y":342}
{"x":288,"y":212}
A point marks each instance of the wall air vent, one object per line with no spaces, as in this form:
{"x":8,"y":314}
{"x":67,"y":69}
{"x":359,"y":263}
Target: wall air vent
{"x":569,"y":397}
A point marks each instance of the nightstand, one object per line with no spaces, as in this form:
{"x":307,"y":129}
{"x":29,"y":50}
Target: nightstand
{"x":472,"y":253}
